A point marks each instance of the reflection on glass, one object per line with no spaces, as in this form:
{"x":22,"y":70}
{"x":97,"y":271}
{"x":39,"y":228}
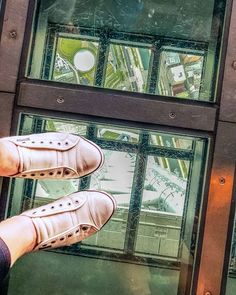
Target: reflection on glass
{"x":127,"y":135}
{"x":180,"y":74}
{"x":127,"y":68}
{"x":115,"y":177}
{"x":75,"y":61}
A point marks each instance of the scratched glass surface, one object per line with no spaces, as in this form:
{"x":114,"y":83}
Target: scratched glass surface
{"x":167,"y":48}
{"x":158,"y":199}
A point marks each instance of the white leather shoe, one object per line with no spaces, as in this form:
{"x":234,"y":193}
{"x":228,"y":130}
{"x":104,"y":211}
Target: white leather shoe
{"x":71,"y":219}
{"x":56,"y":155}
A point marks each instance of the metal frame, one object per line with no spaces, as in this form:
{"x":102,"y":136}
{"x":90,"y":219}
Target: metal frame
{"x":116,"y":104}
{"x":170,"y":113}
{"x":13,"y":30}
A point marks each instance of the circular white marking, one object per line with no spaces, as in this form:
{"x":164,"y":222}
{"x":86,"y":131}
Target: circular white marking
{"x":84,"y":60}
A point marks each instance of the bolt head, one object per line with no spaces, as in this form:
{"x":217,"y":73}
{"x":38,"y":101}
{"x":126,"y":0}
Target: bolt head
{"x":234,"y":64}
{"x":13,"y":34}
{"x":222,"y":180}
{"x":60,"y":99}
{"x":172,"y":115}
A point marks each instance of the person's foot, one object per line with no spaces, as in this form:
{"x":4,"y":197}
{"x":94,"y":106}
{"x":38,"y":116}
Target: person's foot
{"x":49,"y":155}
{"x":63,"y":222}
{"x":71,"y":219}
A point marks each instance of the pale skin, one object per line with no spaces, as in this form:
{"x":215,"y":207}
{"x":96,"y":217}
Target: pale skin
{"x":20,"y":227}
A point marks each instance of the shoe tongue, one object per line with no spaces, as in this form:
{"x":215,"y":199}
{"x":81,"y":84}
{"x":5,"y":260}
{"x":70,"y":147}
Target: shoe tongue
{"x":31,"y":159}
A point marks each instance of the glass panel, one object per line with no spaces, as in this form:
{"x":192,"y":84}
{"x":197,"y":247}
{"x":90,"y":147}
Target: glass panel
{"x":162,"y":206}
{"x":117,"y":134}
{"x":61,"y":126}
{"x":231,"y":281}
{"x":167,"y":48}
{"x":127,"y":68}
{"x":180,"y":74}
{"x":169,"y":141}
{"x":75,"y":61}
{"x":158,"y":191}
{"x":118,"y":182}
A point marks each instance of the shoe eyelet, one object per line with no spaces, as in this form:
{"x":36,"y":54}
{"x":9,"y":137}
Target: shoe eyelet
{"x":50,"y":173}
{"x":69,"y":204}
{"x":70,"y":235}
{"x":61,"y":239}
{"x":76,"y":201}
{"x":84,"y":228}
{"x":41,"y":174}
{"x":50,"y":142}
{"x":23,"y":141}
{"x":34,"y":212}
{"x":41,"y":142}
{"x":59,"y":143}
{"x":58,"y":172}
{"x":77,"y":231}
{"x":52,"y":207}
{"x":60,"y":205}
{"x":67,"y":172}
{"x":66,"y":143}
{"x":23,"y":175}
{"x":32,"y":174}
{"x":32,"y":141}
{"x":53,"y":242}
{"x":45,"y":245}
{"x":43,"y":210}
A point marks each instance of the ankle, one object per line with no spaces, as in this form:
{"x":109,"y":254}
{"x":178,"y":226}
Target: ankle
{"x":29,"y":232}
{"x":19,"y":235}
{"x":9,"y":158}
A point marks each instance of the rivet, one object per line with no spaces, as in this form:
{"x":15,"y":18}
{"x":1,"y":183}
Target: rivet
{"x":234,"y":64}
{"x":172,"y":115}
{"x":222,"y":180}
{"x":60,"y":99}
{"x":13,"y":34}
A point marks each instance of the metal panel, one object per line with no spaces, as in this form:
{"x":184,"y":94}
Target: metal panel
{"x":113,"y":104}
{"x":11,"y":42}
{"x":228,"y":100}
{"x":6,"y":108}
{"x":220,"y":197}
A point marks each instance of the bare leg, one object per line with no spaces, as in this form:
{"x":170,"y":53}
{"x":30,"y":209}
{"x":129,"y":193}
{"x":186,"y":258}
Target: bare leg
{"x":19,"y":235}
{"x":9,"y":158}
